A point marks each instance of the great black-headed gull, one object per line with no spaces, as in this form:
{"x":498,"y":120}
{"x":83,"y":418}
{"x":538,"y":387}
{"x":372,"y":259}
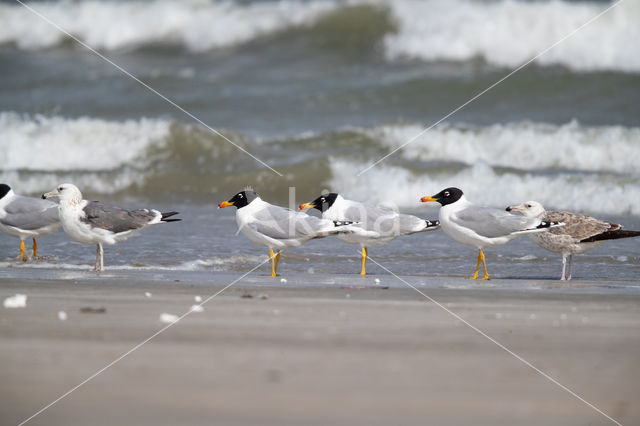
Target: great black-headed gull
{"x":91,"y":222}
{"x":579,"y":234}
{"x":278,"y":227}
{"x":379,"y":225}
{"x":481,"y":226}
{"x":26,"y":217}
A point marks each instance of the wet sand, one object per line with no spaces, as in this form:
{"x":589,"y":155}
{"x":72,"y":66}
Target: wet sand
{"x":270,"y":353}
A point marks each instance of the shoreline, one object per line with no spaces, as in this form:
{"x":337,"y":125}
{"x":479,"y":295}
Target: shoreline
{"x":315,"y":354}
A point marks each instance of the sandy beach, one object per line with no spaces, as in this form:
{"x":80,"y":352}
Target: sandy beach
{"x":265,"y":352}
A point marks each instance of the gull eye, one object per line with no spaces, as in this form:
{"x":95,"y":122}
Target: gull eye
{"x":528,"y":206}
{"x":322,"y":200}
{"x":60,"y":188}
{"x":446,"y":193}
{"x":240,"y":195}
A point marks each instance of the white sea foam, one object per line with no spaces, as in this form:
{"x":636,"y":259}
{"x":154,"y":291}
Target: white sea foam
{"x":608,"y":194}
{"x":526,"y":146}
{"x":196,"y":24}
{"x":41,"y":144}
{"x":508,"y":33}
{"x":505,"y":33}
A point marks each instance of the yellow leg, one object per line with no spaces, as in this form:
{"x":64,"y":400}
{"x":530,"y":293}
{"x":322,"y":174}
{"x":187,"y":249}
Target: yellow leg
{"x":277,"y":260}
{"x":35,"y":248}
{"x":273,"y":262}
{"x":365,"y":255}
{"x":480,"y":259}
{"x":484,"y":265}
{"x":22,"y":250}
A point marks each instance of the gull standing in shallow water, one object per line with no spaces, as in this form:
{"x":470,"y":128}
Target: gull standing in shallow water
{"x":91,"y":222}
{"x":26,"y":217}
{"x":481,"y":226}
{"x":378,"y":225}
{"x":579,"y":234}
{"x":278,"y":227}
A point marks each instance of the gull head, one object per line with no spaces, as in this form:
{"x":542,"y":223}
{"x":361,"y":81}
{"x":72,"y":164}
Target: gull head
{"x":67,"y":192}
{"x":444,"y":197}
{"x":4,"y":190}
{"x":528,"y":209}
{"x":322,"y":203}
{"x":241,"y":199}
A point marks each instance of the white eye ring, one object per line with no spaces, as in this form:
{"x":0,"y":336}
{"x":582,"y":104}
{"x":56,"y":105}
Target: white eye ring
{"x":446,"y":194}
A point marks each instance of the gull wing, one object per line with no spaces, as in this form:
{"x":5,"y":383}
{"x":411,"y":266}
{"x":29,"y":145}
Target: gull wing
{"x":30,"y":213}
{"x":115,"y":219}
{"x":491,"y":223}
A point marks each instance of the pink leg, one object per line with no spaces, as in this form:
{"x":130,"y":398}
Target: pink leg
{"x":570,"y":266}
{"x":564,"y":263}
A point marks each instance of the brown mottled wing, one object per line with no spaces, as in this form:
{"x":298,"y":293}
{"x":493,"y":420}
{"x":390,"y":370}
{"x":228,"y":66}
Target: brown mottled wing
{"x":115,"y":219}
{"x":579,"y":226}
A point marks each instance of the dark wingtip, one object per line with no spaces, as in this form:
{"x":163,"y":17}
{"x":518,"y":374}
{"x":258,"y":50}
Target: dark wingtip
{"x":169,"y":214}
{"x":432,"y":223}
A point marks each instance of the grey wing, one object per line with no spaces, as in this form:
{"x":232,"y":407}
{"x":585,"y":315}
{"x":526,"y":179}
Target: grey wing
{"x":491,"y":223}
{"x":281,"y":223}
{"x":579,"y":226}
{"x":115,"y":219}
{"x":30,"y":213}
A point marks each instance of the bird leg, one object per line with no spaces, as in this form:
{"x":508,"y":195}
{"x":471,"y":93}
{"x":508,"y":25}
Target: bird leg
{"x":564,"y":264}
{"x":35,"y":248}
{"x":99,"y":258}
{"x":277,"y":260}
{"x":481,"y":259}
{"x":22,"y":251}
{"x":274,"y":266}
{"x":484,"y":265}
{"x":365,"y":255}
{"x":570,"y":266}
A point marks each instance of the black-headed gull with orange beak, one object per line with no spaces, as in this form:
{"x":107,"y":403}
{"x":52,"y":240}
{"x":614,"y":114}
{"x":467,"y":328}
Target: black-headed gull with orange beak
{"x":91,"y":222}
{"x":481,"y":226}
{"x":278,"y":227}
{"x":379,"y":225}
{"x":579,"y":234}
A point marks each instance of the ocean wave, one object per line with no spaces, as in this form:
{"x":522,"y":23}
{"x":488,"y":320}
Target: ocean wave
{"x":508,"y":33}
{"x":525,"y":146}
{"x":569,"y":166}
{"x":604,"y":194}
{"x":504,"y":33}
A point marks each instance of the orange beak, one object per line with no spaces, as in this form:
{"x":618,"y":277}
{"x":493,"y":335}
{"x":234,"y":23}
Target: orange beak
{"x":224,"y":204}
{"x":305,"y":206}
{"x":427,"y":199}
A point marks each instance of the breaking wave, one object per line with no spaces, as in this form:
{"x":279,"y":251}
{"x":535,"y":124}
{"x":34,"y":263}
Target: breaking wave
{"x":569,"y":166}
{"x":504,"y":33}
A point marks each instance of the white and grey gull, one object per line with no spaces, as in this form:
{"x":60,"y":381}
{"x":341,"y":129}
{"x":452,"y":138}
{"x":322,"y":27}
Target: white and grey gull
{"x":26,"y":217}
{"x":278,"y":227}
{"x":376,"y":225}
{"x":92,"y":222}
{"x":481,"y":226}
{"x":580,"y":233}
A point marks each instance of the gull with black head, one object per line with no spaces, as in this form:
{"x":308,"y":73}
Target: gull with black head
{"x":375,"y":225}
{"x":27,"y":217}
{"x":580,"y":233}
{"x":92,"y":222}
{"x":278,"y":227}
{"x":481,"y":226}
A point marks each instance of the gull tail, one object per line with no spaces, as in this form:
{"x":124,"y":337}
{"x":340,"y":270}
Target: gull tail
{"x":612,"y":235}
{"x":169,"y":214}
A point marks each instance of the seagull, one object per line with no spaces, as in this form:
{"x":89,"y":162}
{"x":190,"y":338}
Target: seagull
{"x":26,"y":217}
{"x":377,"y":225}
{"x":91,"y":222}
{"x":481,"y":226}
{"x":580,"y":233}
{"x":278,"y":227}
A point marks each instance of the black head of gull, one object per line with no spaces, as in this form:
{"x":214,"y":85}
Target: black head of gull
{"x":445,"y":197}
{"x":4,"y":190}
{"x":240,"y":200}
{"x":322,"y":203}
